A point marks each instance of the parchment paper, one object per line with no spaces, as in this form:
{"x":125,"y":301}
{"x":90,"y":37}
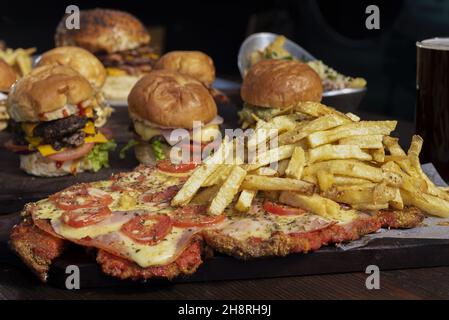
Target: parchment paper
{"x":431,"y":228}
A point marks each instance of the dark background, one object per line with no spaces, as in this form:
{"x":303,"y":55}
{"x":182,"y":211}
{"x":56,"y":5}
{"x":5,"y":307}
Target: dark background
{"x":333,"y":31}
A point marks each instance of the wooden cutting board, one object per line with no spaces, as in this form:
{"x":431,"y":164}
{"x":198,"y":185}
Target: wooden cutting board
{"x":386,"y":253}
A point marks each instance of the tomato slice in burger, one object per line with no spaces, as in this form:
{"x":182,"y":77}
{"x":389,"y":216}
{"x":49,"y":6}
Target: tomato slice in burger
{"x":282,"y":210}
{"x":78,"y":196}
{"x":148,"y":229}
{"x":195,"y":216}
{"x":85,"y":217}
{"x":72,"y":153}
{"x":168,"y":166}
{"x":161,"y":196}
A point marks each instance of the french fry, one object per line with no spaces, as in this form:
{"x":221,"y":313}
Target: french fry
{"x":224,"y":153}
{"x":331,"y":152}
{"x":411,"y":184}
{"x":350,"y":168}
{"x":325,"y":180}
{"x":378,"y":155}
{"x":268,"y":128}
{"x":343,"y":180}
{"x":397,"y":202}
{"x":413,"y":155}
{"x":253,"y":182}
{"x":227,"y":191}
{"x":393,"y":146}
{"x":245,"y":200}
{"x":365,"y":141}
{"x":428,"y":203}
{"x":271,"y":156}
{"x":358,"y":194}
{"x":193,"y":184}
{"x":316,"y":204}
{"x":398,"y":155}
{"x":296,"y":164}
{"x":265,"y":171}
{"x":352,"y":116}
{"x":218,"y":176}
{"x":351,"y":129}
{"x":316,"y":109}
{"x":302,"y":130}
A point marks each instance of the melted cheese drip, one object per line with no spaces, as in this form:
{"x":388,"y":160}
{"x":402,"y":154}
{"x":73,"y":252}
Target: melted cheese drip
{"x":155,"y":255}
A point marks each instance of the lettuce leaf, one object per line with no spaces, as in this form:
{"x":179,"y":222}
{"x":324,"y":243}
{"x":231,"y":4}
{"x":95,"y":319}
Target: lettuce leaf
{"x":99,"y":155}
{"x":131,"y":143}
{"x":157,"y":149}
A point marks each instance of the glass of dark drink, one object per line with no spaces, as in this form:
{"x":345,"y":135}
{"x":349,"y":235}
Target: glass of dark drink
{"x":432,"y":102}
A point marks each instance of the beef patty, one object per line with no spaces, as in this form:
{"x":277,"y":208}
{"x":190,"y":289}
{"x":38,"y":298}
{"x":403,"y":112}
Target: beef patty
{"x":65,"y":132}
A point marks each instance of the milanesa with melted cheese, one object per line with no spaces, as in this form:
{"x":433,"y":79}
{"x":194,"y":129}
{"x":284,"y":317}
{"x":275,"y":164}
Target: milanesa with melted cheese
{"x":168,"y":242}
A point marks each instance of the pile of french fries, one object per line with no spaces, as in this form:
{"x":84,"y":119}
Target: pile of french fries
{"x":20,"y":59}
{"x":329,"y":163}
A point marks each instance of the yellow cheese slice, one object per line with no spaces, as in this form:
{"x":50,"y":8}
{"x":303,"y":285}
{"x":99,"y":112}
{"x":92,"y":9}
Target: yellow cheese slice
{"x":47,"y":150}
{"x":89,"y":128}
{"x":98,"y":138}
{"x":146,"y":132}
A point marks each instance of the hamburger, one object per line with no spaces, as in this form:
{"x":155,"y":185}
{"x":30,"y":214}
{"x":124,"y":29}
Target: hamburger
{"x":273,"y":87}
{"x":87,"y":65}
{"x":52,"y":123}
{"x":196,"y":64}
{"x":7,"y":78}
{"x":163,"y":101}
{"x":120,"y":42}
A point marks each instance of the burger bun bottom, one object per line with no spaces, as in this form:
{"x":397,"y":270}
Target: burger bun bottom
{"x":37,"y":165}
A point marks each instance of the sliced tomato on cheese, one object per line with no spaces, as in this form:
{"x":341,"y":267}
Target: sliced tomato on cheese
{"x":80,"y":196}
{"x":85,"y":216}
{"x":282,"y":210}
{"x":194,"y":216}
{"x":168,"y":166}
{"x":148,"y":229}
{"x":161,"y":196}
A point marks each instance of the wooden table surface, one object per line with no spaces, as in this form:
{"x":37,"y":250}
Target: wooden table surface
{"x":425,"y":283}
